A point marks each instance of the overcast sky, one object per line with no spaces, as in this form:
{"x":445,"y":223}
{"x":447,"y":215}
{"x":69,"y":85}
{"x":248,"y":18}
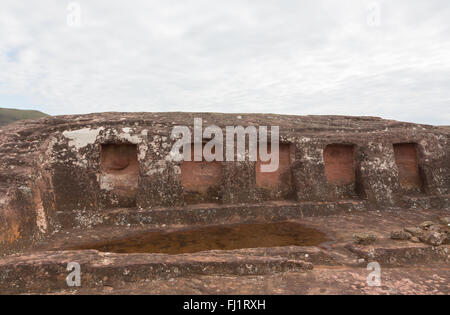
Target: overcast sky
{"x":378,"y":58}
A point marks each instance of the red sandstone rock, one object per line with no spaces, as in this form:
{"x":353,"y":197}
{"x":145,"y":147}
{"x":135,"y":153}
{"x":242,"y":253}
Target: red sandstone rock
{"x":65,"y":171}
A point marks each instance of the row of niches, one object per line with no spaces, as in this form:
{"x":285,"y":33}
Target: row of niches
{"x":202,"y":181}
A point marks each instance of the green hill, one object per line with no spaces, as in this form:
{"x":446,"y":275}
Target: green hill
{"x":9,"y":115}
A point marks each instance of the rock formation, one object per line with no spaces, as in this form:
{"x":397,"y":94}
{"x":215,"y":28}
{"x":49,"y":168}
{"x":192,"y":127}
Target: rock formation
{"x":65,"y":171}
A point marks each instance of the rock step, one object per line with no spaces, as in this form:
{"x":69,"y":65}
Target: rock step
{"x":236,"y":213}
{"x":211,"y":214}
{"x":402,"y":256}
{"x":428,"y":202}
{"x":46,"y":271}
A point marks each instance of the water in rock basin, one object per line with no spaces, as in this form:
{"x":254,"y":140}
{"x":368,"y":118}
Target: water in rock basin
{"x":219,"y":237}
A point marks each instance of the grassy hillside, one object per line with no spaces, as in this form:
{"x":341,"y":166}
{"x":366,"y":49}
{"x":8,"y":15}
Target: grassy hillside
{"x":9,"y":115}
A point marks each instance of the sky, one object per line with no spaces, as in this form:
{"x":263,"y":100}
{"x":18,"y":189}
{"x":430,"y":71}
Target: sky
{"x":350,"y":57}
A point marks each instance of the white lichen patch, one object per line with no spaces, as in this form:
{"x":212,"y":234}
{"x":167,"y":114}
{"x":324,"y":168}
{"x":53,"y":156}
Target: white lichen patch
{"x":126,"y":134}
{"x":174,"y":156}
{"x":41,"y":220}
{"x":48,"y":155}
{"x":177,"y":170}
{"x":304,"y":140}
{"x":82,"y":137}
{"x":158,"y":168}
{"x":142,"y":152}
{"x":107,"y":182}
{"x":384,"y":164}
{"x":87,"y":219}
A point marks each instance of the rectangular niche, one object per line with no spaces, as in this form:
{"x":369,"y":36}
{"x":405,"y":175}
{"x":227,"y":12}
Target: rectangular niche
{"x":408,"y":166}
{"x":278,"y":184}
{"x":201,"y":180}
{"x":339,"y":164}
{"x":119,"y":172}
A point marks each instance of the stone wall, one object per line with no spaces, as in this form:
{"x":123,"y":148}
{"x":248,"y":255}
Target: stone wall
{"x":83,"y":165}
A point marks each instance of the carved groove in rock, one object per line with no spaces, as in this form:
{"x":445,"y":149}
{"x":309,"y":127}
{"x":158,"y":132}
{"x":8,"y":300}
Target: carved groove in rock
{"x":119,"y":171}
{"x":201,"y":180}
{"x":408,"y":166}
{"x":277,"y":184}
{"x":339,"y":164}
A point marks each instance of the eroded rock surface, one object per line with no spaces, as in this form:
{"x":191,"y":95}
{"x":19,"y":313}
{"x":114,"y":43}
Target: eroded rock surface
{"x":85,"y":172}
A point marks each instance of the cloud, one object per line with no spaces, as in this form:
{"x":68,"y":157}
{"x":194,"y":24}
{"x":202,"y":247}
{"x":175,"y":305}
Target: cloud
{"x":287,"y":56}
